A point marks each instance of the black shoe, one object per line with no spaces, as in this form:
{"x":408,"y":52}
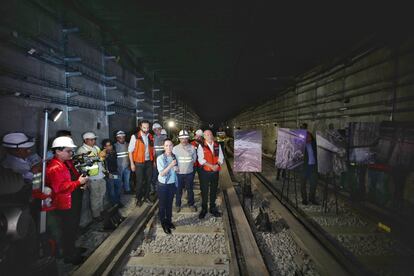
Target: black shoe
{"x":171,"y":225}
{"x":166,"y":229}
{"x":314,"y":202}
{"x":139,"y":203}
{"x":120,"y":205}
{"x":215,"y":213}
{"x":202,"y":214}
{"x":81,"y":250}
{"x":304,"y":202}
{"x":75,"y":260}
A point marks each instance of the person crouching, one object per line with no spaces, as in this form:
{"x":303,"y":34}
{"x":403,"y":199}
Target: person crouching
{"x":167,"y":166}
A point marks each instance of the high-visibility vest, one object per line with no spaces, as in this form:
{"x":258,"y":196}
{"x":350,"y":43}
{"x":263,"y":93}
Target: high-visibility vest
{"x":211,"y":157}
{"x":37,"y":181}
{"x":94,"y":169}
{"x":123,"y":154}
{"x":139,"y":151}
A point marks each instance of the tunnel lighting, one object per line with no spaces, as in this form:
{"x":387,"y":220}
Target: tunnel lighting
{"x":31,"y":51}
{"x":55,"y":114}
{"x":343,"y":108}
{"x":171,"y":124}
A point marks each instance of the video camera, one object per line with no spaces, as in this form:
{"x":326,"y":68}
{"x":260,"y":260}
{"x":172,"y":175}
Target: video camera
{"x":84,"y":162}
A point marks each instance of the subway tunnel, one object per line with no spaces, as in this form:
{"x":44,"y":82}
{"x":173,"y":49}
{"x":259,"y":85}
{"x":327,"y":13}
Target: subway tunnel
{"x":306,"y":111}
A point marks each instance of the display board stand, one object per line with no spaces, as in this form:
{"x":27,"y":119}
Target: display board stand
{"x":247,"y":188}
{"x":290,"y":177}
{"x":329,"y":178}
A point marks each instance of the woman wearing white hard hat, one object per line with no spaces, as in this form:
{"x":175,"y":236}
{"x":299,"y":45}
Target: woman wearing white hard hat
{"x":64,"y":179}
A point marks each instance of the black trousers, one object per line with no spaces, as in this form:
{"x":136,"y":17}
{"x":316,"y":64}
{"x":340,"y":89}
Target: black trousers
{"x":68,"y":227}
{"x":208,"y":186}
{"x":143,"y":175}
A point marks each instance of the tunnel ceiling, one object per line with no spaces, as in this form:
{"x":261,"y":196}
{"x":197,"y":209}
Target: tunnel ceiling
{"x":222,"y":57}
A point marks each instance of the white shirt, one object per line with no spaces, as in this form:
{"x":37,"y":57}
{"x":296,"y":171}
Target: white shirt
{"x":200,"y":154}
{"x":132,"y":142}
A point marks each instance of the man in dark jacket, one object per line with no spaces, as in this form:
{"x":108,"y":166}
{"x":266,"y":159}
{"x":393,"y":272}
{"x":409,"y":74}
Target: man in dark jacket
{"x":113,"y":181}
{"x":309,"y":169}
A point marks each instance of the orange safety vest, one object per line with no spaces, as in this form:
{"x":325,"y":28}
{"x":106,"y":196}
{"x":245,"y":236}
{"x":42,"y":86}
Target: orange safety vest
{"x":138,"y":154}
{"x":211,"y":157}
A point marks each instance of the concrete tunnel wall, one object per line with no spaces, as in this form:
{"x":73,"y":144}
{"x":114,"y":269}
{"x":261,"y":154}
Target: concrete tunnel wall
{"x":31,"y":81}
{"x":371,"y":86}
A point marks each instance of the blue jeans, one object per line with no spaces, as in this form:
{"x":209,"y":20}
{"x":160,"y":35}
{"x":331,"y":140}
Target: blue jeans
{"x":165,"y":196}
{"x":124,"y":176}
{"x":113,"y":189}
{"x":187,"y":181}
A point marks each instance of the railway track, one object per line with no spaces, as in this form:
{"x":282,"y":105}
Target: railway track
{"x":212,"y":246}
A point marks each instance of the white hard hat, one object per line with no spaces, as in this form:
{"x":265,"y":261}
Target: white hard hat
{"x":163,"y":132}
{"x":63,"y":142}
{"x":89,"y":135}
{"x":183,"y":134}
{"x":156,"y":125}
{"x":199,"y":132}
{"x":120,"y":133}
{"x":17,"y":140}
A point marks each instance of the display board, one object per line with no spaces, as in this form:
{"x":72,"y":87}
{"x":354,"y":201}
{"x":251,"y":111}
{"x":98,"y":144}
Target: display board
{"x":247,"y":151}
{"x":290,"y":148}
{"x":331,"y":151}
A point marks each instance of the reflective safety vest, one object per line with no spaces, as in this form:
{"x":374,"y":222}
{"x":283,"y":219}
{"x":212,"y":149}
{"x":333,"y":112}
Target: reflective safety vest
{"x":139,"y":151}
{"x":159,"y":144}
{"x":184,"y":159}
{"x":37,"y":181}
{"x":211,"y":157}
{"x":123,"y":154}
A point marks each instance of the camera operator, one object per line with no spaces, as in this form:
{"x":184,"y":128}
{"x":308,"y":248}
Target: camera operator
{"x":63,"y":179}
{"x":96,"y":184}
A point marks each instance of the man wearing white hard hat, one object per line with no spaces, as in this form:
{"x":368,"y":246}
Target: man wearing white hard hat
{"x":198,"y":140}
{"x":64,"y":180}
{"x":158,"y":150}
{"x":124,"y":171}
{"x":97,"y":183}
{"x":18,"y":146}
{"x":186,"y":156}
{"x":19,"y":160}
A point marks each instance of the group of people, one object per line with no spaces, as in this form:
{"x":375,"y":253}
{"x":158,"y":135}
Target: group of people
{"x":160,"y":169}
{"x":174,"y":168}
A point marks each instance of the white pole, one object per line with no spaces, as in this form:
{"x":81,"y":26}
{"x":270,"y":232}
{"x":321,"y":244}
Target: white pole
{"x":45,"y":137}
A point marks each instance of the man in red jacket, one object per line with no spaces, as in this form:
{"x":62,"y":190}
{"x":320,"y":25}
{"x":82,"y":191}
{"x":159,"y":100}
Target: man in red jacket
{"x":63,"y":179}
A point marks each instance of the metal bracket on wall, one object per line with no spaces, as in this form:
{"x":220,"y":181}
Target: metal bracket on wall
{"x":72,"y":74}
{"x":108,"y":78}
{"x":72,"y":94}
{"x":70,"y":30}
{"x":72,"y":59}
{"x":72,"y":108}
{"x":111,"y":87}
